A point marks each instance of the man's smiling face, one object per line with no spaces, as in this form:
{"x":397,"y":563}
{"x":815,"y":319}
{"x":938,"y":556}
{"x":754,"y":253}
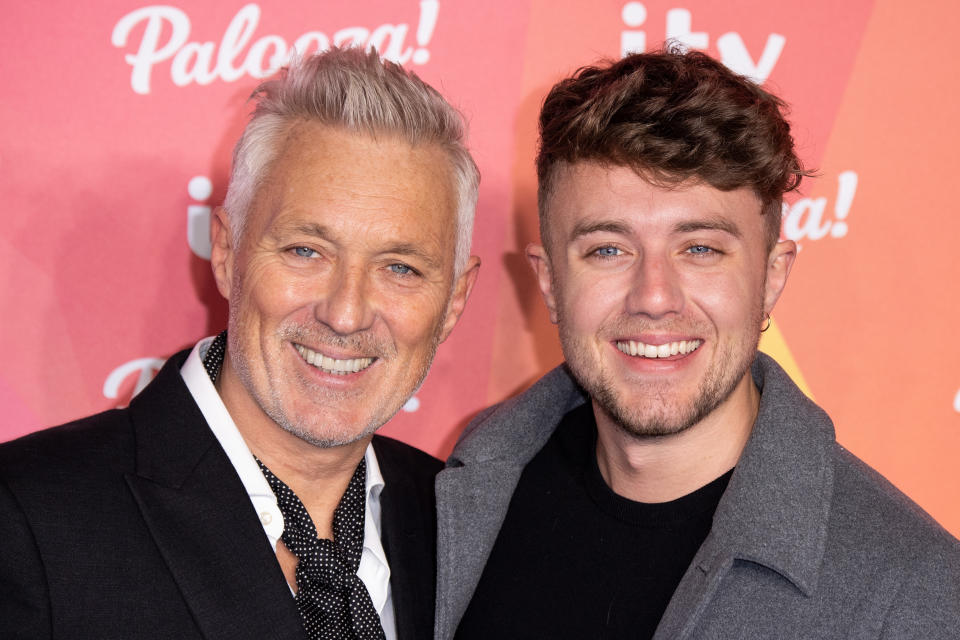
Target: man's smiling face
{"x":659,"y":292}
{"x":342,"y":285}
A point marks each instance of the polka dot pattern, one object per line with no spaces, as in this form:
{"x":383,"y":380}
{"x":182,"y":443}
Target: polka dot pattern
{"x":333,"y":601}
{"x":213,"y":359}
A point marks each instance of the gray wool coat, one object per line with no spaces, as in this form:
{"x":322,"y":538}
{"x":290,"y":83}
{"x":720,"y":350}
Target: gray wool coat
{"x":807,"y":541}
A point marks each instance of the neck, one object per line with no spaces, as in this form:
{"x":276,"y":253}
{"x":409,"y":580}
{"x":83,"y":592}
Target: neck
{"x":318,"y":475}
{"x":664,"y":468}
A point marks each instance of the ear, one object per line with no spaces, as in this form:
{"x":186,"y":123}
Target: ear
{"x":221,"y":250}
{"x":461,"y":292}
{"x":779,"y":262}
{"x":540,"y":263}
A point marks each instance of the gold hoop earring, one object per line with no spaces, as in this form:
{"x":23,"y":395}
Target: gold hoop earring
{"x":767,"y":323}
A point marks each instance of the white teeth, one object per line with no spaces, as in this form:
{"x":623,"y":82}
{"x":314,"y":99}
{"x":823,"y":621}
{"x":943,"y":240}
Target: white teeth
{"x":633,"y":348}
{"x":332,"y":365}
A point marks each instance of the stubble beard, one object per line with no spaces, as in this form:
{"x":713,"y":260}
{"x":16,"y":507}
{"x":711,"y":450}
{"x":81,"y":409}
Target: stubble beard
{"x":660,"y":415}
{"x":311,"y":427}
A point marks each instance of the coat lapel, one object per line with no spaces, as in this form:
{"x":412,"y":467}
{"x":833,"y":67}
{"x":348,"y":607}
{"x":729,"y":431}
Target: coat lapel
{"x":474,"y":491}
{"x":472,"y":502}
{"x":201,"y":519}
{"x":776,"y":507}
{"x":408,"y":535}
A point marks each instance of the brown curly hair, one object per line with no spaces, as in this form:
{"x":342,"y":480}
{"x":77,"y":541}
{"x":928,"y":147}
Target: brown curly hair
{"x":671,"y":116}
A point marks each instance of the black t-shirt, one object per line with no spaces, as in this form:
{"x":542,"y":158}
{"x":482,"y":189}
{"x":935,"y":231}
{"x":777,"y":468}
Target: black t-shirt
{"x":575,"y":560}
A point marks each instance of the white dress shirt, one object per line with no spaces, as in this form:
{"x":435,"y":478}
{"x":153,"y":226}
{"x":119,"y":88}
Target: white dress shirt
{"x":374,"y":570}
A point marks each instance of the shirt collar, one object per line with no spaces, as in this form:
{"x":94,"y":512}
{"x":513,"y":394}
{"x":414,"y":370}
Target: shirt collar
{"x":221,"y":423}
{"x":374,"y":570}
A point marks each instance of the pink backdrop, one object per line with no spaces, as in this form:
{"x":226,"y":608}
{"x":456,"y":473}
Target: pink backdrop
{"x":119,"y":118}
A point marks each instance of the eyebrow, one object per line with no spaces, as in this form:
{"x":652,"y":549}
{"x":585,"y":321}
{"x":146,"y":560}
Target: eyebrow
{"x":586,"y":227}
{"x":407,"y":249}
{"x":710,"y":224}
{"x":311,"y":229}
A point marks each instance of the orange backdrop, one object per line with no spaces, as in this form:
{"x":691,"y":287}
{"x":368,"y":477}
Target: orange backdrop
{"x":118,"y":122}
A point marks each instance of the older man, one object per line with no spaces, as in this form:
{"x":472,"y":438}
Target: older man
{"x":668,"y":481}
{"x":243,"y":493}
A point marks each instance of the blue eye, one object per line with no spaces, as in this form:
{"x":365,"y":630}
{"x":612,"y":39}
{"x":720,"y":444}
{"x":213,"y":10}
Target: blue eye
{"x":608,"y":252}
{"x":304,"y":252}
{"x":401,"y":269}
{"x":699,"y":250}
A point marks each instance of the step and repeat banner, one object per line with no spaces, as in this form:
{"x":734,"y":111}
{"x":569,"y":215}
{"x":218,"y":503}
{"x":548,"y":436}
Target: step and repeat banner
{"x":119,"y":119}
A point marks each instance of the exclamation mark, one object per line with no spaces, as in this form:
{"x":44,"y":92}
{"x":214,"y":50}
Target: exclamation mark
{"x":845,"y":192}
{"x":428,"y":20}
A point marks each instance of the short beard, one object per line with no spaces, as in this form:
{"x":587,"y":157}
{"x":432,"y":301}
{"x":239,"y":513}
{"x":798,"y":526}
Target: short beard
{"x":274,"y":409}
{"x":272,"y":405}
{"x":713,"y":392}
{"x":718,"y":384}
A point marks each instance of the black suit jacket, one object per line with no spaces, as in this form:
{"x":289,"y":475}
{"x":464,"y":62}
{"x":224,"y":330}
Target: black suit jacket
{"x":134,"y":524}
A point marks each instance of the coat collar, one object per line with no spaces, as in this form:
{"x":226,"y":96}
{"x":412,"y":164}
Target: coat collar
{"x":408,"y":517}
{"x":515,"y":430}
{"x":774,"y":511}
{"x":171,"y":434}
{"x":776,"y":507}
{"x":197,"y":511}
{"x":474,"y":491}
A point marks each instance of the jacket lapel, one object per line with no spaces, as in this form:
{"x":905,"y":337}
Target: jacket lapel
{"x":201,"y":519}
{"x":775,"y":509}
{"x":408,"y":535}
{"x":472,"y":502}
{"x":474,"y":491}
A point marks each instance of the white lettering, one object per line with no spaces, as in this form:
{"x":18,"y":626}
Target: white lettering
{"x":679,"y":29}
{"x":796,"y":225}
{"x":394,"y":35}
{"x":304,"y":43}
{"x":679,"y":23}
{"x":235,"y":38}
{"x":147,"y":367}
{"x":734,"y":54}
{"x":845,"y":192}
{"x":196,"y":62}
{"x":351,"y":37}
{"x":429,"y":9}
{"x":192,"y":64}
{"x":258,"y":64}
{"x":147,"y":53}
{"x":805,"y":218}
{"x":634,"y":14}
{"x":198,"y":217}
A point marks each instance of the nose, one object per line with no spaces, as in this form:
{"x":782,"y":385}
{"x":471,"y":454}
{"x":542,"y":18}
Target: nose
{"x":344,"y":306}
{"x":655,"y":287}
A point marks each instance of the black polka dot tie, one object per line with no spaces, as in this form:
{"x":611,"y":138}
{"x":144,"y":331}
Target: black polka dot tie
{"x":333,"y":601}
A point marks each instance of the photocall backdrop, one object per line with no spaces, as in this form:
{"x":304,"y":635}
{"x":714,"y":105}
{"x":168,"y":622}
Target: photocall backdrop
{"x":119,"y":118}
